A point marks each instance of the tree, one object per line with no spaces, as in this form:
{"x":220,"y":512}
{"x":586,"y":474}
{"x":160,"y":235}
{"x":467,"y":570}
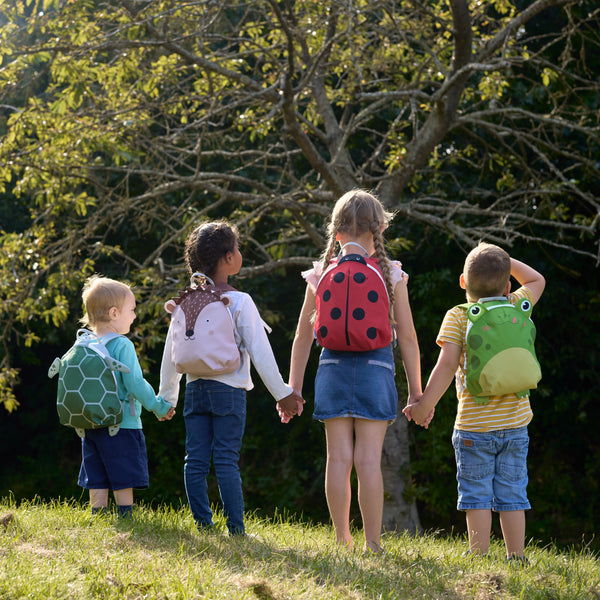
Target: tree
{"x":123,"y":123}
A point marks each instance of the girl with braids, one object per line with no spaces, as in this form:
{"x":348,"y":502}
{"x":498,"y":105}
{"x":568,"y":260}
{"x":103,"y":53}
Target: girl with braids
{"x":215,"y":409}
{"x":355,"y":393}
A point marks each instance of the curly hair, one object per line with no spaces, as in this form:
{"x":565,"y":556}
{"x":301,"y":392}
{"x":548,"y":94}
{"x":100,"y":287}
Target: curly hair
{"x":207,"y":244}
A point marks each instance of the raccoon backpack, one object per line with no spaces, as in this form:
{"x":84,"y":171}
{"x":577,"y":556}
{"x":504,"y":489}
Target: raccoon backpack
{"x":87,"y":395}
{"x":500,"y":342}
{"x":203,"y":341}
{"x":353,"y":306}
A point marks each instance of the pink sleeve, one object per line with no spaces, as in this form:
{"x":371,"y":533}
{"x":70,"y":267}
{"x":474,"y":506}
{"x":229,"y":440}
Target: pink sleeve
{"x":312,"y":276}
{"x":396,"y":273}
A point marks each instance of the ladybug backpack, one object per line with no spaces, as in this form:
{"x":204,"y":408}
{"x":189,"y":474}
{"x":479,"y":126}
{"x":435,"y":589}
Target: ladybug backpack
{"x":353,"y":306}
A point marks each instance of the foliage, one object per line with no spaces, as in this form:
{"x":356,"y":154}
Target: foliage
{"x":59,"y":550}
{"x":123,"y":124}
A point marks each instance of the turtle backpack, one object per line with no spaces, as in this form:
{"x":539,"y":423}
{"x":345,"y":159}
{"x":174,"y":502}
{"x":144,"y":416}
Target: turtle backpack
{"x":500,"y":347}
{"x":87,"y":396}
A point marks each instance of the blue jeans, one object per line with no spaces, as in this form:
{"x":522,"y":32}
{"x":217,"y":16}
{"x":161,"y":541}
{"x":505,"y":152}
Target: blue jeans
{"x":492,"y":469}
{"x":215,"y":418}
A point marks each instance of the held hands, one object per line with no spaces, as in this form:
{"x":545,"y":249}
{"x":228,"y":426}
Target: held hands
{"x":169,"y":415}
{"x":290,"y":406}
{"x":414,"y":411}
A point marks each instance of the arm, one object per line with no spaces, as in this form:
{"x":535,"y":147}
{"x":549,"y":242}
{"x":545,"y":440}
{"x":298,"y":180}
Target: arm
{"x":303,"y":341}
{"x":169,"y":377}
{"x":135,"y":385}
{"x":407,"y":340}
{"x":254,"y":338}
{"x":439,"y":380}
{"x":528,"y":277}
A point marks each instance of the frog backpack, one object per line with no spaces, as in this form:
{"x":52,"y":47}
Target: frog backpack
{"x":500,"y":348}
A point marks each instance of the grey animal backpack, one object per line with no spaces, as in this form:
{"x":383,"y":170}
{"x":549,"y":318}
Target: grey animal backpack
{"x":203,"y":340}
{"x":87,"y":395}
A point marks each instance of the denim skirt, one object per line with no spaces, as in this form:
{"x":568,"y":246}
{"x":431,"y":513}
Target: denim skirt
{"x":356,"y":384}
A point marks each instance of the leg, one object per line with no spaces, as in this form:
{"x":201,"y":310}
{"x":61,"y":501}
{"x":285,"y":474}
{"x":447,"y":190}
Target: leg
{"x":479,"y":526}
{"x":339,"y":434}
{"x":124,"y":501}
{"x":198,"y":446}
{"x":227,"y":444}
{"x":367,"y":462}
{"x":513,"y":532}
{"x":98,"y":499}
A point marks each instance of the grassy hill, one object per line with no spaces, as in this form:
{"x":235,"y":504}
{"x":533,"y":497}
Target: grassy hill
{"x":58,"y":550}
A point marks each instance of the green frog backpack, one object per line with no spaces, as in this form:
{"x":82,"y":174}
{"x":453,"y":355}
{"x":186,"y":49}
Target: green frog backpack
{"x":501,"y":355}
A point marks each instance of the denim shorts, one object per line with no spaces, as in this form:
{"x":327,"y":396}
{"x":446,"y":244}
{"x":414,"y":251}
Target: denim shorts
{"x":492,"y":469}
{"x":356,"y":384}
{"x":113,"y":462}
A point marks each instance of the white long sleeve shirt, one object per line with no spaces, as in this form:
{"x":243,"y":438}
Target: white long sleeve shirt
{"x":251,"y":338}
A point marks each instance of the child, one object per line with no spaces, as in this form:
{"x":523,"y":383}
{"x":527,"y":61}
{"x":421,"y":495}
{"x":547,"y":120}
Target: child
{"x":215,"y":409}
{"x":355,"y":392}
{"x":117,"y":462}
{"x":493,"y":435}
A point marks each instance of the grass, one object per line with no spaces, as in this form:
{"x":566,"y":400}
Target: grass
{"x":59,"y":550}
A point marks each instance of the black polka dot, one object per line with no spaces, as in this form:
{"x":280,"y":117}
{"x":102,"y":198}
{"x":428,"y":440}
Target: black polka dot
{"x":358,"y":314}
{"x":326,"y":295}
{"x":373,"y":296}
{"x":323,"y":331}
{"x":339,"y":277}
{"x":372,"y":333}
{"x":359,"y":277}
{"x":335,"y":313}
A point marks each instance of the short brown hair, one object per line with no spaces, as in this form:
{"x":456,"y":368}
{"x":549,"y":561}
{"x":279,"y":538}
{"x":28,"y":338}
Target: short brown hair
{"x":486,"y":271}
{"x":99,"y":295}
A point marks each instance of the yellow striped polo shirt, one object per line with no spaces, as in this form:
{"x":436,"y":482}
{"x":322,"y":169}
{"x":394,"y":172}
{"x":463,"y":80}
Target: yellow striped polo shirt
{"x":502,"y":412}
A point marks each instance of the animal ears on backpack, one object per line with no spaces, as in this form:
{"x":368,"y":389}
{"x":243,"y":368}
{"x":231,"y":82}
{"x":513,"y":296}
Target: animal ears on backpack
{"x":525,"y":306}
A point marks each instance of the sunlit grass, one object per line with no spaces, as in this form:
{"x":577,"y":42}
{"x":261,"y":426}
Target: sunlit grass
{"x":59,"y":550}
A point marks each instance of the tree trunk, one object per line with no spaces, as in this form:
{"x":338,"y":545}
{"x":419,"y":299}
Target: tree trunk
{"x":398,"y":513}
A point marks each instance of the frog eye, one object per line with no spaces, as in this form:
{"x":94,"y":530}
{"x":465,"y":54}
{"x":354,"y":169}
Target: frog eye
{"x":525,"y":305}
{"x":475,"y":311}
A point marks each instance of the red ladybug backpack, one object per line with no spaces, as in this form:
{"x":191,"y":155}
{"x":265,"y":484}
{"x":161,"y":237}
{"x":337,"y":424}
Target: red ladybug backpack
{"x":353,"y":306}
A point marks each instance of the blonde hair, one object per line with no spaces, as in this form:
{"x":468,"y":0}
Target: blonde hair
{"x":99,"y":295}
{"x":356,"y":213}
{"x":486,"y":271}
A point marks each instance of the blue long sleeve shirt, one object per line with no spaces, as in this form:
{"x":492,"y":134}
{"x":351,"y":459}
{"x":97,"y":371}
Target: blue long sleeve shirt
{"x":133,"y":385}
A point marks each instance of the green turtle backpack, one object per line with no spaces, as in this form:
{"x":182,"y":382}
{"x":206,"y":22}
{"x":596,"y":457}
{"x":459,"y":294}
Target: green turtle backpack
{"x":87,"y":395}
{"x":500,"y":347}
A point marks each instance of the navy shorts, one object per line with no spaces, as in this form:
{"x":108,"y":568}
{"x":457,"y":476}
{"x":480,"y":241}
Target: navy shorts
{"x":492,"y":469}
{"x":356,"y":384}
{"x":113,"y":462}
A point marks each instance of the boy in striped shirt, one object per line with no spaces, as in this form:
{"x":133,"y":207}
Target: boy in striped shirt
{"x":490,"y":441}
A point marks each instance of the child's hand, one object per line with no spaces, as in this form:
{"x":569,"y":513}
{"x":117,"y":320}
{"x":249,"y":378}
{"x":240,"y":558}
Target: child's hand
{"x":412,"y":399}
{"x":416,"y":412}
{"x":290,"y":406}
{"x":169,"y":415}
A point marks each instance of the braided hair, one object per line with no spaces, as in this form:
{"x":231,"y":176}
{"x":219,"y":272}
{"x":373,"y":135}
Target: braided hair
{"x":356,"y":213}
{"x":207,"y":244}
